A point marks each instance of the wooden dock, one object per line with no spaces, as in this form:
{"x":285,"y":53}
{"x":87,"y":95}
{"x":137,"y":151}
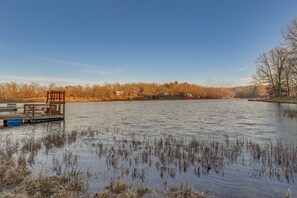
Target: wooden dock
{"x":31,"y":120}
{"x":52,"y":110}
{"x":52,"y":118}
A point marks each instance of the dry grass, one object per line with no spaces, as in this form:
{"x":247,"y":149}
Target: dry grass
{"x":11,"y":172}
{"x":120,"y":189}
{"x":172,"y":156}
{"x":16,"y":179}
{"x":183,"y":191}
{"x":117,"y":188}
{"x":50,"y":186}
{"x":132,"y":157}
{"x":45,"y":186}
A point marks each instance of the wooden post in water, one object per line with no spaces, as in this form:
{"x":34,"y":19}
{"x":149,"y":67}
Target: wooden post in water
{"x":64,"y":104}
{"x":33,"y":109}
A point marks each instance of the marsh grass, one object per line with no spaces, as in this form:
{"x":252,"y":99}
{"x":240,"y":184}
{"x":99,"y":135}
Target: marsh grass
{"x":133,"y":159}
{"x":12,"y":173}
{"x":171,"y":156}
{"x":120,"y":188}
{"x":183,"y":190}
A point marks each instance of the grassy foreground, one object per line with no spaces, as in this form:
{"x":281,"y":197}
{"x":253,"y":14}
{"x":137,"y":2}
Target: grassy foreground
{"x":167,"y":155}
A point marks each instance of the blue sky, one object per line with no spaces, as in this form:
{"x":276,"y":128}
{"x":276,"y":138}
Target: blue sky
{"x":207,"y":42}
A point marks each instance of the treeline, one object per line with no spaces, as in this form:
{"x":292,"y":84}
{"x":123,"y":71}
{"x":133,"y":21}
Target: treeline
{"x":277,"y":68}
{"x":250,"y":91}
{"x":127,"y":91}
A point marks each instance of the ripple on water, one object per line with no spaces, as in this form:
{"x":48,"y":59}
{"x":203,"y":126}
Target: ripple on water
{"x":201,"y":118}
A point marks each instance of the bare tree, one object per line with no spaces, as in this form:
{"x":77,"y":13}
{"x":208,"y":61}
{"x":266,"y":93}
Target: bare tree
{"x":290,"y":36}
{"x":271,"y":69}
{"x":288,"y":75}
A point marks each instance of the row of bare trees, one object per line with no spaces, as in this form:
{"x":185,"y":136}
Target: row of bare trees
{"x":15,"y":90}
{"x":277,"y":69}
{"x":173,"y":90}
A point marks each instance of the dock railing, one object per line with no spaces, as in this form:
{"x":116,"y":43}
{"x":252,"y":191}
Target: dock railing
{"x":34,"y":109}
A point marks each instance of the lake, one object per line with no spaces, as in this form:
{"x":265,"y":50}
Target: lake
{"x":179,"y":119}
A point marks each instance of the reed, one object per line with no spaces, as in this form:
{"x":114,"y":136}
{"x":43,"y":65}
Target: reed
{"x":134,"y":158}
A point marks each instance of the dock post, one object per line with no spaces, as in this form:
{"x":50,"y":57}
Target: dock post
{"x":64,"y":104}
{"x":64,"y":110}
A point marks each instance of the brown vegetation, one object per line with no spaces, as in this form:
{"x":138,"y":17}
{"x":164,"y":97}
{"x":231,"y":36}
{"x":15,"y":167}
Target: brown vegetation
{"x":106,"y":92}
{"x":128,"y":157}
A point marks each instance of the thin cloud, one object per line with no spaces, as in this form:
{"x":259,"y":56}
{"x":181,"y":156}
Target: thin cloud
{"x":96,"y":71}
{"x":45,"y":79}
{"x":242,"y":69}
{"x":84,"y":65}
{"x":87,"y":68}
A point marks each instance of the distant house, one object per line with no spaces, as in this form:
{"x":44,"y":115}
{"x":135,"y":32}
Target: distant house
{"x":119,"y":93}
{"x":188,"y":95}
{"x":164,"y":94}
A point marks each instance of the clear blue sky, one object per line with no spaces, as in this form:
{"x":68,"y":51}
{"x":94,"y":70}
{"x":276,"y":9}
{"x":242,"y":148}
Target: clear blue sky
{"x":208,"y":42}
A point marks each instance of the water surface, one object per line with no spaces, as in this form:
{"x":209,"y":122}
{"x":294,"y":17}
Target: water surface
{"x":204,"y":119}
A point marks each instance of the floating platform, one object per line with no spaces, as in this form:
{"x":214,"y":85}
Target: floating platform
{"x":19,"y":119}
{"x":52,"y":110}
{"x":40,"y":119}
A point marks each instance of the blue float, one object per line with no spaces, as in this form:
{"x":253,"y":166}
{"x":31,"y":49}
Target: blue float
{"x":14,"y":122}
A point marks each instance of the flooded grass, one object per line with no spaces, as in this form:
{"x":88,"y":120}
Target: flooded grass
{"x":128,"y":158}
{"x":120,"y":188}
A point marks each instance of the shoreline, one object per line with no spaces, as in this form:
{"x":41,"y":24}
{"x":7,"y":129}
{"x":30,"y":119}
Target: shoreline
{"x":285,"y":100}
{"x":113,"y":100}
